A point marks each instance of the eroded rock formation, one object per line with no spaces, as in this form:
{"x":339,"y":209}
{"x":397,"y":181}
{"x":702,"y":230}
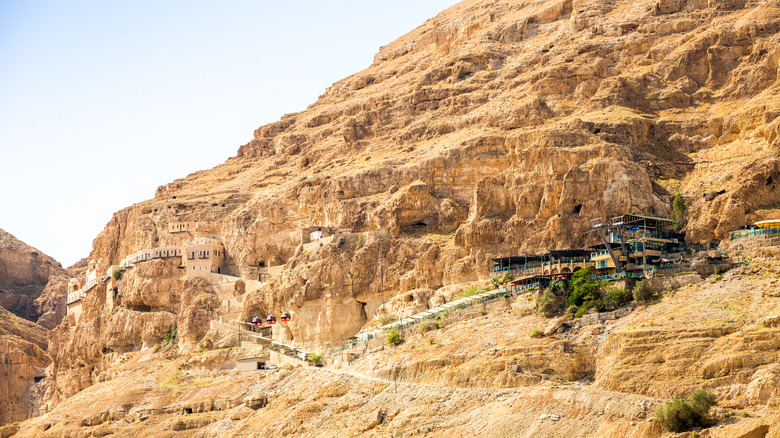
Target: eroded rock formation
{"x":492,"y":129}
{"x":24,"y":273}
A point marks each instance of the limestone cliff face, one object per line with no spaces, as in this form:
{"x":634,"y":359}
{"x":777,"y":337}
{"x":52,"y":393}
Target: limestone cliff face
{"x":493,"y":128}
{"x":23,"y":362}
{"x":24,"y":273}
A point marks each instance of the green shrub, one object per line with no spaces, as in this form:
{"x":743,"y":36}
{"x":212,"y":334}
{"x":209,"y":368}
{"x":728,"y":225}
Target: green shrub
{"x":386,"y":318}
{"x":425,"y":327}
{"x":116,"y":274}
{"x":615,"y":298}
{"x":572,"y":310}
{"x":720,"y":271}
{"x":550,"y":303}
{"x":643,"y":292}
{"x":678,"y":415}
{"x":469,"y":291}
{"x":506,"y":278}
{"x":496,"y":281}
{"x":537,"y":334}
{"x":172,"y":333}
{"x":360,"y":240}
{"x":393,"y":338}
{"x":678,"y":211}
{"x":315,"y":358}
{"x":582,"y":311}
{"x":702,"y":401}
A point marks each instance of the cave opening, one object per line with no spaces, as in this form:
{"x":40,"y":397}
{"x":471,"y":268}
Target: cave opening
{"x":363,"y":314}
{"x":577,"y":209}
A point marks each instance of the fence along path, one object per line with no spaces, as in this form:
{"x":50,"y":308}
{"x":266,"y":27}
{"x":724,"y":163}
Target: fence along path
{"x":287,"y":350}
{"x":430,"y":314}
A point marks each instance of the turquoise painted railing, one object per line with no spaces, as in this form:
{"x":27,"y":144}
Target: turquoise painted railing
{"x":742,"y":234}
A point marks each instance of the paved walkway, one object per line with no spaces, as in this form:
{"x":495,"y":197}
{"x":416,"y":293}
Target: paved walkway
{"x":432,"y":313}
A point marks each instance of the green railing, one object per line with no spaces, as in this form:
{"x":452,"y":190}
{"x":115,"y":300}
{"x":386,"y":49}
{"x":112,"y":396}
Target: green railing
{"x":409,"y":321}
{"x":742,"y":234}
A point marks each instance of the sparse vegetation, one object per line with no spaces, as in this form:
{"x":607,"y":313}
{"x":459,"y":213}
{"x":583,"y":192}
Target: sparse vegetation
{"x":361,"y":239}
{"x":386,"y":318}
{"x":537,"y":333}
{"x":643,"y":292}
{"x":174,"y":378}
{"x":315,"y":359}
{"x":678,"y":212}
{"x":506,"y":278}
{"x":615,"y":298}
{"x":340,"y":241}
{"x":551,"y":302}
{"x":425,"y":327}
{"x":678,"y":415}
{"x":393,"y":338}
{"x":172,"y":334}
{"x":584,"y":291}
{"x":116,"y":274}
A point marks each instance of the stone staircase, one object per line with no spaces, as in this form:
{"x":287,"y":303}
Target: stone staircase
{"x":267,"y":343}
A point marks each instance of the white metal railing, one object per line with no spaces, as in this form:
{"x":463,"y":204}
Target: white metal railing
{"x":81,"y":293}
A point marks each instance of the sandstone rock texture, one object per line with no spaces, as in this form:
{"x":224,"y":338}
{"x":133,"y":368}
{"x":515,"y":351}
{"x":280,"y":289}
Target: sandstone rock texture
{"x":23,"y":362}
{"x":490,"y":130}
{"x":493,"y":129}
{"x":24,"y":273}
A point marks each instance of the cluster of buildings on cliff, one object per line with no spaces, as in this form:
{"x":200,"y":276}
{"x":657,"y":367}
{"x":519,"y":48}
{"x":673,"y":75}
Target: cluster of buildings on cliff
{"x":631,"y":246}
{"x":200,"y":257}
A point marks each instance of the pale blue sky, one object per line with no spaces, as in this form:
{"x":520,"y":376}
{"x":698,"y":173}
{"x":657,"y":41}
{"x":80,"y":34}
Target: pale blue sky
{"x":103,"y":101}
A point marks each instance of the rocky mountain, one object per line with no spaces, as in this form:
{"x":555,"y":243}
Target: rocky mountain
{"x":23,"y":362}
{"x":495,"y":128}
{"x":24,"y":274}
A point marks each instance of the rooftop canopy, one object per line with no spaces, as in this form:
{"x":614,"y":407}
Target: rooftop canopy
{"x":642,"y":221}
{"x":561,"y":253}
{"x":772,"y":223}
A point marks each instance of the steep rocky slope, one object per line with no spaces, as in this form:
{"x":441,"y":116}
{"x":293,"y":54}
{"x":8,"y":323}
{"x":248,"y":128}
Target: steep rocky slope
{"x":494,"y":128}
{"x":480,"y":374}
{"x":24,"y":274}
{"x":23,"y":361}
{"x":502,"y":127}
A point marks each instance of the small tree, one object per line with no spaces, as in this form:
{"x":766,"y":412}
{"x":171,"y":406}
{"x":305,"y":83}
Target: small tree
{"x":583,"y":288}
{"x":643,"y":292}
{"x":116,"y":274}
{"x":393,"y":338}
{"x":678,"y":211}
